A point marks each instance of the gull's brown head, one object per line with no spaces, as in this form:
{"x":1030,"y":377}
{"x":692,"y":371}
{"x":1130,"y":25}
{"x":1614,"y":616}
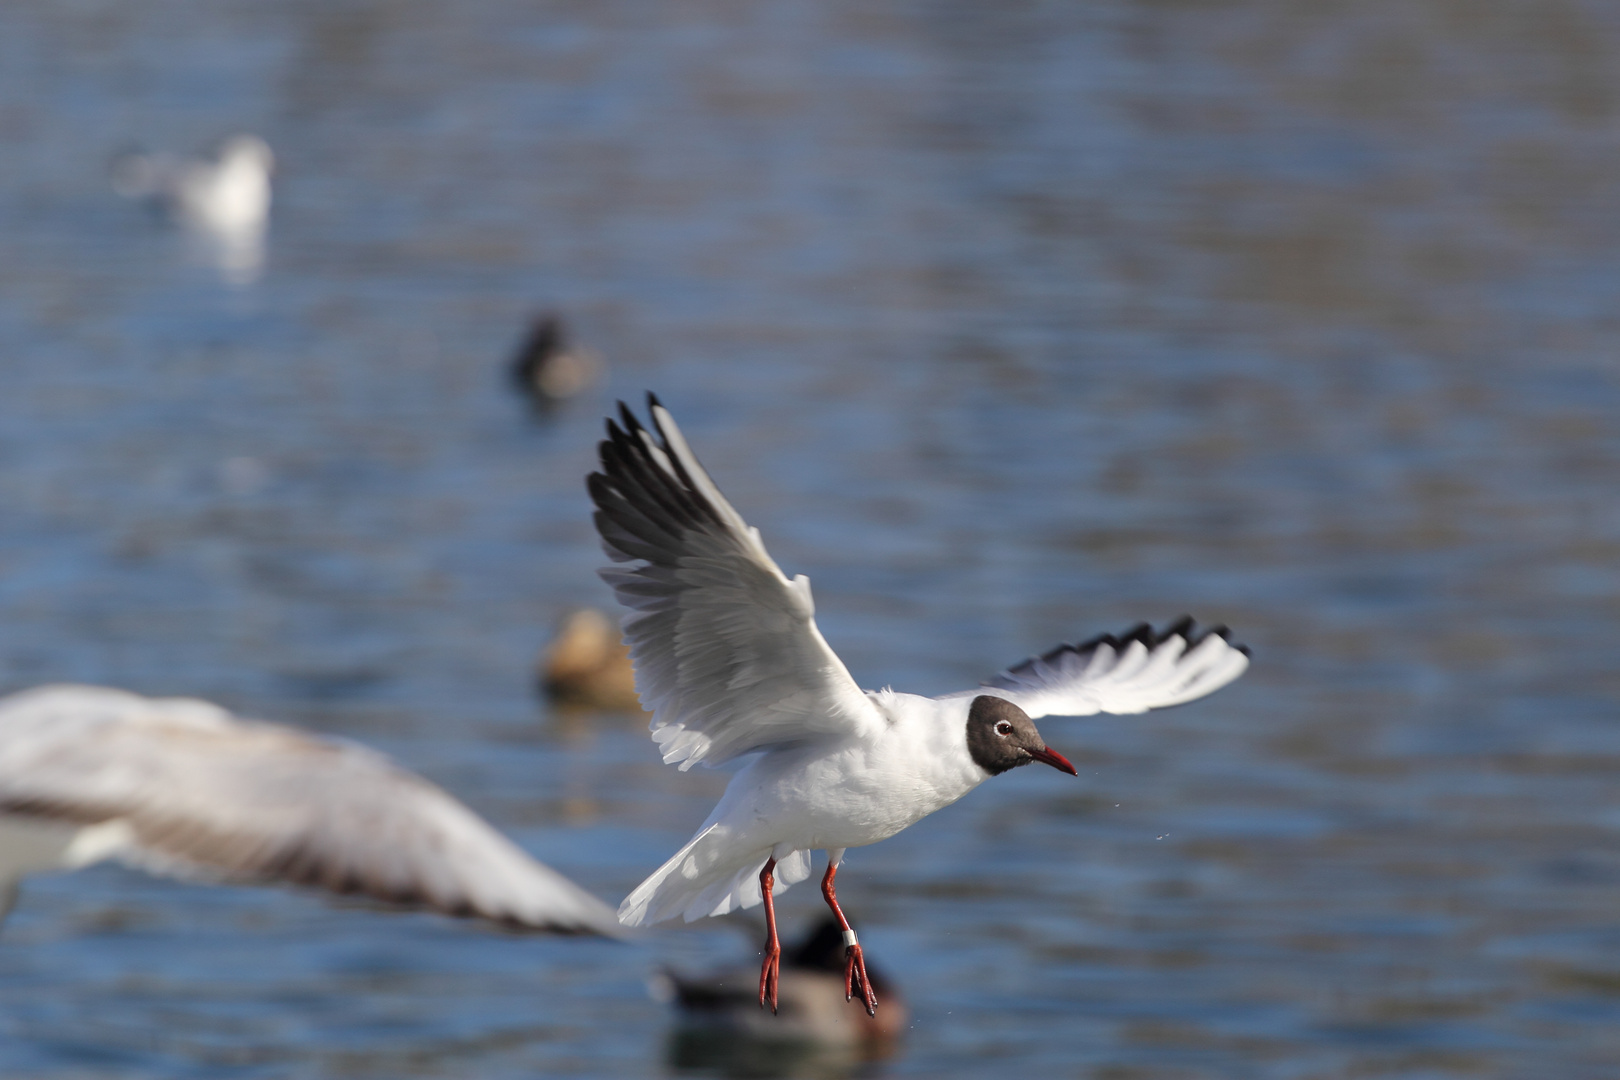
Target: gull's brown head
{"x":1001,"y":736}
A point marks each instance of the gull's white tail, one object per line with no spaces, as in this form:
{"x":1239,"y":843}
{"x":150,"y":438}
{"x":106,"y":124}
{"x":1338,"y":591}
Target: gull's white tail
{"x":708,"y":877}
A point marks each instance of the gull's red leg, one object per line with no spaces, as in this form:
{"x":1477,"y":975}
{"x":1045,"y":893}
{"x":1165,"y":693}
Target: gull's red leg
{"x":772,"y":969}
{"x":854,"y":962}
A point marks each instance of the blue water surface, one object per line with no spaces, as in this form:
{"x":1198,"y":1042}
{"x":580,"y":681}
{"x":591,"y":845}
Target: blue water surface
{"x":1008,"y":324}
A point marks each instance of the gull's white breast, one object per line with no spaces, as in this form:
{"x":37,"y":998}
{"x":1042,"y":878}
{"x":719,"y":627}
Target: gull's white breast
{"x":855,"y":791}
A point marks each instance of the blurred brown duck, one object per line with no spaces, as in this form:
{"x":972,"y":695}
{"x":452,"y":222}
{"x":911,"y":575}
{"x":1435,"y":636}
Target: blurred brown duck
{"x":587,"y":665}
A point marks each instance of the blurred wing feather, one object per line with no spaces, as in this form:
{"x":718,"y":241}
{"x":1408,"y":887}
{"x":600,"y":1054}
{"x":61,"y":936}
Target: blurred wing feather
{"x":725,"y":646}
{"x":202,"y":793}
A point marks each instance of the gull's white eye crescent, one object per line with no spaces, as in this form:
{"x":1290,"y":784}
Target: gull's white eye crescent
{"x":1004,"y":728}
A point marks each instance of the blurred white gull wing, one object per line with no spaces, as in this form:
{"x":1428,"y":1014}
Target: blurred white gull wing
{"x":182,"y":787}
{"x":1138,"y":671}
{"x":726,"y":650}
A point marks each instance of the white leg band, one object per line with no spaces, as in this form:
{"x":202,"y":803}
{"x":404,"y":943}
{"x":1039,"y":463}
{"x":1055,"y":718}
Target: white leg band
{"x":850,"y":938}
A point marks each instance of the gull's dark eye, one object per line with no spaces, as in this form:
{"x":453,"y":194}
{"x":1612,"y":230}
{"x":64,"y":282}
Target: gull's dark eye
{"x":1004,"y":728}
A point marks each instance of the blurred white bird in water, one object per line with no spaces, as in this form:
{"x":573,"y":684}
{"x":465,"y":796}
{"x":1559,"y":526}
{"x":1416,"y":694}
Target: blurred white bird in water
{"x":223,"y":204}
{"x":182,"y":788}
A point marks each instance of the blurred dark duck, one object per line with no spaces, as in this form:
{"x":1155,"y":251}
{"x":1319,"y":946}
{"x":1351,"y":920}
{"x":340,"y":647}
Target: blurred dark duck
{"x":587,"y":665}
{"x":721,"y":1024}
{"x":547,"y":369}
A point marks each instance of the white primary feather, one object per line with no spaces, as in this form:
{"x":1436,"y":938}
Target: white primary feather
{"x":181,"y":786}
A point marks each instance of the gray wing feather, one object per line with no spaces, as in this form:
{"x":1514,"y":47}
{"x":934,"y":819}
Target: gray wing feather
{"x":725,"y":646}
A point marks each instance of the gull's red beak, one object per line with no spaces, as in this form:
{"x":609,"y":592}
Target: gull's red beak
{"x":1054,"y":759}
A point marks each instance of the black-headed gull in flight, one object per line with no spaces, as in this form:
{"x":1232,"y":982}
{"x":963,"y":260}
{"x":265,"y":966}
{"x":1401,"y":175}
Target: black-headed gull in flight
{"x":181,"y":787}
{"x":730,"y":662}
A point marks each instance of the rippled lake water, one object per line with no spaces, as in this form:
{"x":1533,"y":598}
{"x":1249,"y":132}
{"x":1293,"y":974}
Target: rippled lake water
{"x":1008,"y":324}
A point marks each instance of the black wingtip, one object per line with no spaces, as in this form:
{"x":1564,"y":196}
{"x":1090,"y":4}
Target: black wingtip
{"x":1225,"y":634}
{"x":1185,"y":627}
{"x":653,"y":402}
{"x":625,"y":415}
{"x":1222,"y":631}
{"x":628,"y":418}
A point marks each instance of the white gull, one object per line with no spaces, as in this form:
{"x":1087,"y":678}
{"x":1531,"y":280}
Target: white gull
{"x":223,"y":204}
{"x":730,"y":662}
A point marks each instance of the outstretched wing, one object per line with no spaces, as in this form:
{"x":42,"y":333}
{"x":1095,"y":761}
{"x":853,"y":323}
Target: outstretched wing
{"x":185,"y":788}
{"x":1138,"y":671}
{"x":726,"y":649}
